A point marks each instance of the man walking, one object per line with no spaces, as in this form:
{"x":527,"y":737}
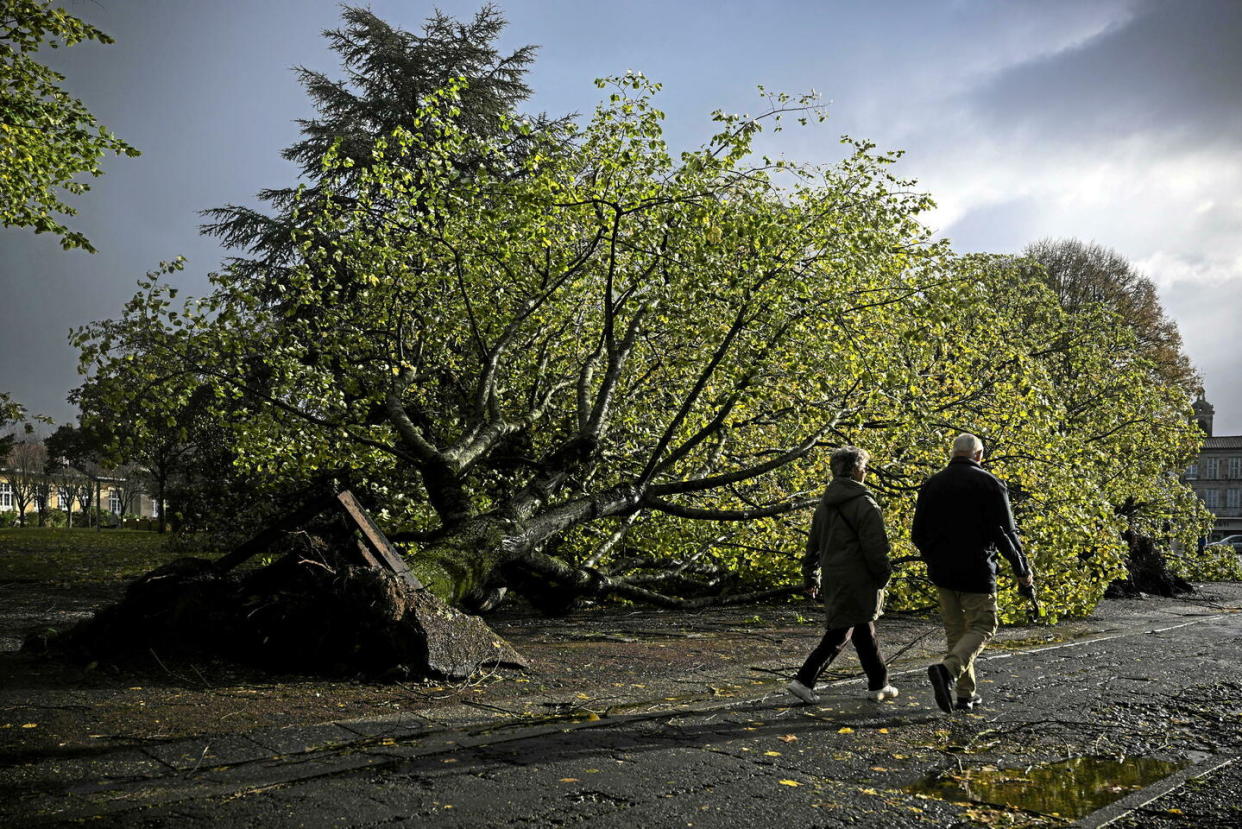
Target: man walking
{"x":962,"y":518}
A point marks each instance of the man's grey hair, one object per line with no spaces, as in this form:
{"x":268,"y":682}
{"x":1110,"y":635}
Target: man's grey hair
{"x":966,"y":445}
{"x":846,"y":459}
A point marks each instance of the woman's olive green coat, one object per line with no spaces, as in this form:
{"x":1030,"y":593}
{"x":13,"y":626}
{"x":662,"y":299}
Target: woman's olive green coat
{"x":849,"y":547}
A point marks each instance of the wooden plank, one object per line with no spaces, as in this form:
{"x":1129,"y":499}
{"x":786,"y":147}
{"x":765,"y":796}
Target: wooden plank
{"x":376,"y":541}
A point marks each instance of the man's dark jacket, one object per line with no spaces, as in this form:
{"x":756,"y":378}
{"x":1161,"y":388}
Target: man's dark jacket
{"x":962,"y":518}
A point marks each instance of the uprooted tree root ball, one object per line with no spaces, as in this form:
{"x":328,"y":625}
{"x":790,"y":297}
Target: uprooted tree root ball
{"x":1146,"y":572}
{"x":302,"y":613}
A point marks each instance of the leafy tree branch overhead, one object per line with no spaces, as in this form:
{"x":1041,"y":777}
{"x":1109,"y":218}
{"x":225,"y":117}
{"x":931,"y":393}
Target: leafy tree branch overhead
{"x":48,"y":139}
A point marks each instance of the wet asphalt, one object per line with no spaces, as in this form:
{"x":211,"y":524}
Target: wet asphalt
{"x":1154,"y":680}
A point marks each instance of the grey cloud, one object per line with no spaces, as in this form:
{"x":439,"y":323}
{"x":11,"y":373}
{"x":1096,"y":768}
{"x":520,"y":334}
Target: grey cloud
{"x":1173,"y":68}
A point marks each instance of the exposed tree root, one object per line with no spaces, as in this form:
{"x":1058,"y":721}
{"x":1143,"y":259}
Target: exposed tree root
{"x":306,"y":613}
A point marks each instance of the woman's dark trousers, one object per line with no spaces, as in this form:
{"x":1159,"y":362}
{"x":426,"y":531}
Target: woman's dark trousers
{"x":830,"y":648}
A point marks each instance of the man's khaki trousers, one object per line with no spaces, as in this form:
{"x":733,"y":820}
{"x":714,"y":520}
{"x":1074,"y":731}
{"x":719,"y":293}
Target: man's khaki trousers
{"x":969,"y":622}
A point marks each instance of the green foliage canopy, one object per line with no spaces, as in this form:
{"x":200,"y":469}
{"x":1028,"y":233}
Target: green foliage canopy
{"x":596,"y":353}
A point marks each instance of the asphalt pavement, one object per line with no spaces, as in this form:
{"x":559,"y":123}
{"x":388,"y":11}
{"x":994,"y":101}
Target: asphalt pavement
{"x":1134,"y":720}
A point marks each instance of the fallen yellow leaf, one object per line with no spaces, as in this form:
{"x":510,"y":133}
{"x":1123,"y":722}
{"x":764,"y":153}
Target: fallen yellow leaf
{"x":883,"y":730}
{"x":790,"y":783}
{"x":846,"y":730}
{"x":569,"y":780}
{"x":788,"y":738}
{"x":771,"y":754}
{"x":30,"y":725}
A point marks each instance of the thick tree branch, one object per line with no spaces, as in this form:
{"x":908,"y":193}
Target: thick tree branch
{"x":726,"y":514}
{"x":722,"y":349}
{"x":728,"y":478}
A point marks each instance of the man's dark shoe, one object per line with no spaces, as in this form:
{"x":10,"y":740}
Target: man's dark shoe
{"x":802,"y":692}
{"x":969,"y":703}
{"x":940,"y":681}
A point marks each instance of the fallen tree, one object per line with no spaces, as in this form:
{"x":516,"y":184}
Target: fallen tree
{"x":594,"y":370}
{"x":565,"y":360}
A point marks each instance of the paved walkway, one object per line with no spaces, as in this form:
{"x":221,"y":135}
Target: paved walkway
{"x":1155,"y":679}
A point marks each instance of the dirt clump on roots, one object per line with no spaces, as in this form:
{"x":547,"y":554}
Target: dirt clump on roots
{"x":307,"y":613}
{"x":1146,"y":572}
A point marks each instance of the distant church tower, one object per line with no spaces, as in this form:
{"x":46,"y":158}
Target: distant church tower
{"x":1203,"y":414}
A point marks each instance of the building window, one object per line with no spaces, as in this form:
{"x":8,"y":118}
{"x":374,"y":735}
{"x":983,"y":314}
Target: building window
{"x":1232,"y":500}
{"x":1235,"y":468}
{"x":6,"y":495}
{"x":63,"y":499}
{"x":1211,"y":469}
{"x":1211,"y":498}
{"x":114,"y":502}
{"x":1192,"y":472}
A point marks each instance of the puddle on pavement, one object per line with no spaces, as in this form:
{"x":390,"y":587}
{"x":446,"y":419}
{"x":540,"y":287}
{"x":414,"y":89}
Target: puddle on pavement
{"x":1069,"y":789}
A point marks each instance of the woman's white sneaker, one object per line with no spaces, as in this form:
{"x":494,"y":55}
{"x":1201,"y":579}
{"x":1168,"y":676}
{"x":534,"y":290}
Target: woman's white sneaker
{"x":887,"y":692}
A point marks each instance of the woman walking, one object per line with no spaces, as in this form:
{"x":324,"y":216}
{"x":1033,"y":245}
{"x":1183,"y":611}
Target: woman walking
{"x":849,"y":548}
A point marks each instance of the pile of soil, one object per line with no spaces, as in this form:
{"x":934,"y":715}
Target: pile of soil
{"x":1146,"y":572}
{"x":304,"y":613}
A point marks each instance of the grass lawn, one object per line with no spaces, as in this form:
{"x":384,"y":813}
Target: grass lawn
{"x":68,"y":557}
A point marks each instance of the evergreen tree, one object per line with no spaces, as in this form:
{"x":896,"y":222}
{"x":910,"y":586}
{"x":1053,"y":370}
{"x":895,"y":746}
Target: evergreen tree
{"x":389,"y":76}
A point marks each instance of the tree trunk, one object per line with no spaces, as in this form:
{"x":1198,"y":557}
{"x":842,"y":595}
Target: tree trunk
{"x":161,"y":503}
{"x":485,"y":556}
{"x":455,"y":565}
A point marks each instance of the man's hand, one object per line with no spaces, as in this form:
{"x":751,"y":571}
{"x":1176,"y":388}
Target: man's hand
{"x":1027,"y":580}
{"x":811,"y":591}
